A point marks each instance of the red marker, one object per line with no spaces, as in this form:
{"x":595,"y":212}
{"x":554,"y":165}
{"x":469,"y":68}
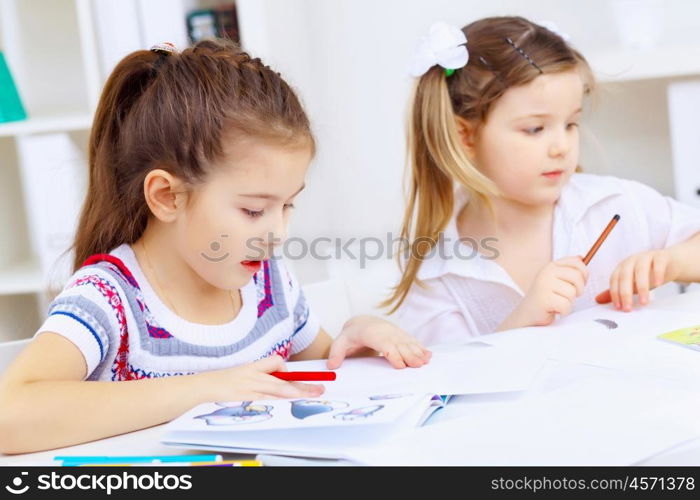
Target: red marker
{"x":305,"y":376}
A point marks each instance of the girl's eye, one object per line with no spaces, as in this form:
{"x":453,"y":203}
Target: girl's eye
{"x":533,"y":130}
{"x":572,"y":125}
{"x":288,"y":206}
{"x":254,"y":213}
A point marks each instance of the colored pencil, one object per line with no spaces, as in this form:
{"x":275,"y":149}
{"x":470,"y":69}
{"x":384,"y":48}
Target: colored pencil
{"x":305,"y":376}
{"x":601,"y":239}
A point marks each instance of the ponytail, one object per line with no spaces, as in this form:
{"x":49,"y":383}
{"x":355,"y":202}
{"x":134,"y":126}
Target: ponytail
{"x":437,"y":160}
{"x":112,"y":213}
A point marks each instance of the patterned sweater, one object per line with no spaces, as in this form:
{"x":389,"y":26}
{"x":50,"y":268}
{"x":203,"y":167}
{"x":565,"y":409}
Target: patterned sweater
{"x":125,"y":332}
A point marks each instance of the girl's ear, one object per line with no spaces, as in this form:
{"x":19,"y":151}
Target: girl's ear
{"x":160,"y":189}
{"x":467,"y":135}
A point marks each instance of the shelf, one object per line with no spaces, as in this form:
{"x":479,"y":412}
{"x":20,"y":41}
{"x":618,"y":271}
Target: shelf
{"x":629,"y":64}
{"x":22,"y":278}
{"x":43,"y":124}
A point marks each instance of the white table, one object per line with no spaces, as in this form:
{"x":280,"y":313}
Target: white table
{"x":688,"y":454}
{"x":143,"y":442}
{"x":147,"y":441}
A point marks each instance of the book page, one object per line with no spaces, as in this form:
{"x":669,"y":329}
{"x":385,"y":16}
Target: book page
{"x":246,"y":416}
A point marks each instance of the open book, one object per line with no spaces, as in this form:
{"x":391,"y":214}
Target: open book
{"x":368,"y":402}
{"x":320,"y":427}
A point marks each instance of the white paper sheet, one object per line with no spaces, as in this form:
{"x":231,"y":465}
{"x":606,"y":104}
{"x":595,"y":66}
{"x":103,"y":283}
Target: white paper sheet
{"x":632,"y":346}
{"x":460,"y":370}
{"x":610,"y":419}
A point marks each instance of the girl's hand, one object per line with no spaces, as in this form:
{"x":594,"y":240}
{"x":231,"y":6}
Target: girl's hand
{"x":638,"y":274}
{"x":253,"y":381}
{"x":553,"y":292}
{"x":398,"y":347}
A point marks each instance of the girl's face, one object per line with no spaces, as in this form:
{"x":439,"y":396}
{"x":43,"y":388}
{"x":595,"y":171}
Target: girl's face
{"x":236,"y":217}
{"x":529,"y":144}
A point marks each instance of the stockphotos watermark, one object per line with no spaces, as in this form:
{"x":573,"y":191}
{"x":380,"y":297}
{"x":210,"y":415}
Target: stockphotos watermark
{"x":364,"y":250}
{"x":100,"y":482}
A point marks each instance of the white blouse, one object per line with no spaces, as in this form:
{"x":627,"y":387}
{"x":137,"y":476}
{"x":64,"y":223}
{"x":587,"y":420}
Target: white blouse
{"x":466,"y":297}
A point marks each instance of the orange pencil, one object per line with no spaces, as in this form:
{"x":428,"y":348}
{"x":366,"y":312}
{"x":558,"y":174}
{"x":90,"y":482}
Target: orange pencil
{"x":601,"y":239}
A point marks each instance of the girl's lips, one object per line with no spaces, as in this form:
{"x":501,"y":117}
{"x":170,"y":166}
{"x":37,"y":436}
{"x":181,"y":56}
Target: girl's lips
{"x":553,"y":174}
{"x":251,"y":265}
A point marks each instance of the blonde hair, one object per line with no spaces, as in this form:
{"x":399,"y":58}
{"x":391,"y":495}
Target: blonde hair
{"x":504,"y":52}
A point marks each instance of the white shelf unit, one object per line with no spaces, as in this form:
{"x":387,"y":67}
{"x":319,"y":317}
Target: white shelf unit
{"x":627,"y":128}
{"x":59,"y":53}
{"x":44,"y":124}
{"x":47,"y":46}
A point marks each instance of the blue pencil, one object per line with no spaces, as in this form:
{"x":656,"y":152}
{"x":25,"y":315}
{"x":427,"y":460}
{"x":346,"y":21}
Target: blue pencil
{"x":79,"y":460}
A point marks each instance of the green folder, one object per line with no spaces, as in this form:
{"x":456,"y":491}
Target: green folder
{"x":11,"y":108}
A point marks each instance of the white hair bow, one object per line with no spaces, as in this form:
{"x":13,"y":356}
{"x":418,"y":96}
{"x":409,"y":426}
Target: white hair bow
{"x":444,"y":45}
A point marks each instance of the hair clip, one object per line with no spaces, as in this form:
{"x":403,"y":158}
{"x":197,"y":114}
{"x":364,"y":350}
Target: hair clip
{"x":165,"y":48}
{"x":523,"y":53}
{"x":487,"y":65}
{"x":497,"y":74}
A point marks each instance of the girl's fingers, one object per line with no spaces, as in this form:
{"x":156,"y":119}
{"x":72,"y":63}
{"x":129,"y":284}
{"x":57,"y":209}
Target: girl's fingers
{"x":560,"y":304}
{"x":393,"y":356}
{"x":642,"y":271}
{"x":273,"y":363}
{"x":409,"y":356}
{"x":565,"y":289}
{"x":337,"y":353}
{"x":575,"y":263}
{"x":310,"y":388}
{"x":566,"y":307}
{"x":422,"y":353}
{"x":574,"y":277}
{"x":287,"y":390}
{"x":626,"y":286}
{"x":615,"y":288}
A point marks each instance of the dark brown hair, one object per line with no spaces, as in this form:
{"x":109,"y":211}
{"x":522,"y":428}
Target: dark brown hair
{"x":174,"y":112}
{"x":504,"y":52}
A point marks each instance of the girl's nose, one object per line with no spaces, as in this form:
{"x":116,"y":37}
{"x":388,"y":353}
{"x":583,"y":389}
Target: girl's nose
{"x":560,"y":146}
{"x":278,"y":233}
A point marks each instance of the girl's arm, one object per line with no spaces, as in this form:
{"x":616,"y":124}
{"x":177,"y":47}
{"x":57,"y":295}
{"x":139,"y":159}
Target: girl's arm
{"x":45,"y":403}
{"x":685,"y":258}
{"x":318,"y":349}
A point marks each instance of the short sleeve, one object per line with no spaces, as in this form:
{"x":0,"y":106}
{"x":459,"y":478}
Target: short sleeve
{"x":81,"y":314}
{"x":305,"y":324}
{"x":669,"y":221}
{"x":432,"y":316}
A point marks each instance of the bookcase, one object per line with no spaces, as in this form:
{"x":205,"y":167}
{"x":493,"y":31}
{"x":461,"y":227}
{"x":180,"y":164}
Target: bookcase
{"x":59,"y":53}
{"x":51,"y":57}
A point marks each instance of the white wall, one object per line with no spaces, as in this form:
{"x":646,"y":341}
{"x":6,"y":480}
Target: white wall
{"x":349,"y":58}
